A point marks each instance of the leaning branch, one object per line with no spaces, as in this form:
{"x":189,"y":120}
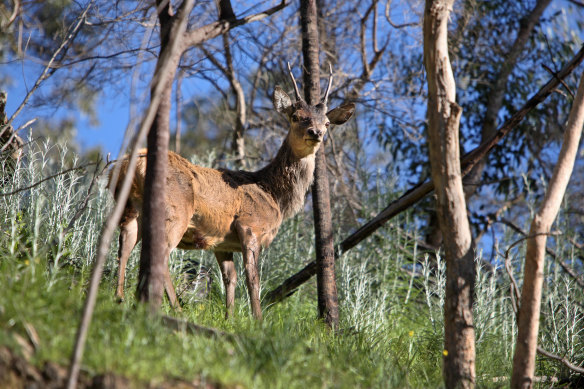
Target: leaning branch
{"x":421,"y":190}
{"x":159,"y":82}
{"x":213,"y":30}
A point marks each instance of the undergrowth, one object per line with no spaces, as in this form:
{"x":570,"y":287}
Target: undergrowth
{"x":391,"y":302}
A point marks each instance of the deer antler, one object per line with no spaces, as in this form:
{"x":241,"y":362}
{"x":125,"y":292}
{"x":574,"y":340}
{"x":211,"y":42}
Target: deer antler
{"x":328,"y":87}
{"x":298,"y":98}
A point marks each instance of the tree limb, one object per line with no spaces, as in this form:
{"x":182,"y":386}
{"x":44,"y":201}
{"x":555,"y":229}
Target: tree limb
{"x":213,"y":30}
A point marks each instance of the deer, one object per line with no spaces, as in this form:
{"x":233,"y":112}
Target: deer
{"x":227,"y":211}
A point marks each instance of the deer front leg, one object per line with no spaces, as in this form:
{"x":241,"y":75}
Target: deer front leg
{"x":251,"y":251}
{"x":169,"y":287}
{"x":127,"y":242}
{"x":229,"y":276}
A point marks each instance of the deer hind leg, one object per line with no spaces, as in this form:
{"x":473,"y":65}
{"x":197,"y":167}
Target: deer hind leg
{"x":251,"y":251}
{"x":129,"y":236}
{"x":229,"y":276}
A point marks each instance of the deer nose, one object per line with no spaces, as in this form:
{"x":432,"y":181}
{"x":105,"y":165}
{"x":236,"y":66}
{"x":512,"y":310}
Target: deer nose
{"x":314,"y":133}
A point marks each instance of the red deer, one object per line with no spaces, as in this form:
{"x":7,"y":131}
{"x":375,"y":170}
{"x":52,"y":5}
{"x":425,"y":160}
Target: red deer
{"x":229,"y":211}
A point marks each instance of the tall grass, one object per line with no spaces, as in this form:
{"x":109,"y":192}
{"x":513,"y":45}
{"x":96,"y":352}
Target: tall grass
{"x":391,"y":298}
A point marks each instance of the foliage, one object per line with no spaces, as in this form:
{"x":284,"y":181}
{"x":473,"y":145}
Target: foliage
{"x":391,"y":305}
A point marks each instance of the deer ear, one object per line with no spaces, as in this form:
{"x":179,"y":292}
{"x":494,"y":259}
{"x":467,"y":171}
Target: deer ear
{"x":282,"y":102}
{"x":341,"y":114}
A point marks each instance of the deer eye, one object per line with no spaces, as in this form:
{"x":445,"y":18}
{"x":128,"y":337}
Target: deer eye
{"x":327,"y":124}
{"x":294,"y":118}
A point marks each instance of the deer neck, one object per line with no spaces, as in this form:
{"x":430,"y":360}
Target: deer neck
{"x":287,"y":178}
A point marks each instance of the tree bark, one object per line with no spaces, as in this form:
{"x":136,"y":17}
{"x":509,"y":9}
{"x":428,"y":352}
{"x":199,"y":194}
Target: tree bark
{"x":529,"y":311}
{"x":443,"y":121}
{"x":328,"y":306}
{"x":154,"y":254}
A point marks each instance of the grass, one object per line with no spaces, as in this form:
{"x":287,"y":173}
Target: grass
{"x":391,"y":308}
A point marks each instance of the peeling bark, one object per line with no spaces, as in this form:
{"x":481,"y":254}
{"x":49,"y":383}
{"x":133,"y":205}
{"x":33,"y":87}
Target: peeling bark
{"x":443,"y":121}
{"x":328,"y":306}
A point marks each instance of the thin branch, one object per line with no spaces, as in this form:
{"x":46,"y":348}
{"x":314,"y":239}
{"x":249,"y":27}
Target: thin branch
{"x":97,"y":173}
{"x":387,"y":5}
{"x":159,"y":82}
{"x":563,"y":360}
{"x":44,"y":75}
{"x":4,"y":194}
{"x":13,"y":15}
{"x":213,"y":30}
{"x":550,"y":71}
{"x":550,"y":252}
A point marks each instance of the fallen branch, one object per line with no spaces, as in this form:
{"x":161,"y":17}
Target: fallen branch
{"x":421,"y":190}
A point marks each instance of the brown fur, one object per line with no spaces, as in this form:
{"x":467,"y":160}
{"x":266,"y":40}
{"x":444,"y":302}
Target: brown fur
{"x":233,"y":211}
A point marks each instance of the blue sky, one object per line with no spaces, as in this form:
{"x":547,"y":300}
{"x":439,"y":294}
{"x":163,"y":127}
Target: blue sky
{"x":113,"y":110}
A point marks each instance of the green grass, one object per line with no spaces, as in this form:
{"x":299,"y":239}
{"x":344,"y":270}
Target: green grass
{"x":391,"y":319}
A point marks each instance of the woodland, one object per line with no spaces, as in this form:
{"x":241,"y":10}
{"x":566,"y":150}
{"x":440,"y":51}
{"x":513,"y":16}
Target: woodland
{"x":439,"y":244}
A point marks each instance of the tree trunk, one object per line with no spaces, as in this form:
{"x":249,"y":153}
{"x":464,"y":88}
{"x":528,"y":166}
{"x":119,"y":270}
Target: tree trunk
{"x":443,"y":121}
{"x":495,"y":97}
{"x":528,"y":316}
{"x":328,"y":306}
{"x":154,"y":255}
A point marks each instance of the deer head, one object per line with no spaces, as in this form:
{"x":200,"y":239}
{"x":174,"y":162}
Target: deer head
{"x":309,"y":123}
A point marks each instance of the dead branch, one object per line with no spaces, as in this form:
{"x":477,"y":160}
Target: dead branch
{"x":97,"y":173}
{"x":213,"y":30}
{"x":159,"y":82}
{"x":391,"y":23}
{"x":9,"y":19}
